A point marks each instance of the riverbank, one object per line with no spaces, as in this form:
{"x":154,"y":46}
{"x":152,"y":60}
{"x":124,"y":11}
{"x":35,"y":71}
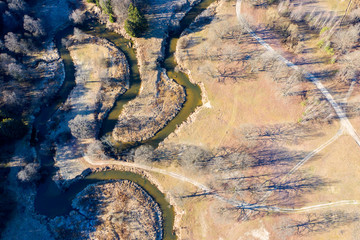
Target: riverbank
{"x":111,"y":209}
{"x":102,"y":74}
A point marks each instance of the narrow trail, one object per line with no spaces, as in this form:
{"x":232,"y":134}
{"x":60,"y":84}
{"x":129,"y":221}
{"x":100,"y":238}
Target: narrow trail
{"x":207,"y":190}
{"x":321,"y":206}
{"x":350,"y":91}
{"x":339,"y":111}
{"x":304,"y":160}
{"x":345,"y":123}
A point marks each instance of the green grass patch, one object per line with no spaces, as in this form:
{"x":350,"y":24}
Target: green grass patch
{"x":329,"y":51}
{"x":324,"y":29}
{"x":321,"y":43}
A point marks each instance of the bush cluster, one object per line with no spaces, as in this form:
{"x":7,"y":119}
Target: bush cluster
{"x":136,"y":24}
{"x":11,"y":128}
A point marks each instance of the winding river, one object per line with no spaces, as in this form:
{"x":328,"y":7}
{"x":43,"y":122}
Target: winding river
{"x":52,"y":201}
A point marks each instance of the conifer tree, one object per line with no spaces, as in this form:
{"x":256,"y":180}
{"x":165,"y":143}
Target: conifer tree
{"x":136,"y":23}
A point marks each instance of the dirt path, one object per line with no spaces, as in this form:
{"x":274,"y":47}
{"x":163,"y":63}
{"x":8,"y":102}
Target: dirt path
{"x":304,"y":160}
{"x":235,"y":203}
{"x":339,"y":111}
{"x":345,"y":123}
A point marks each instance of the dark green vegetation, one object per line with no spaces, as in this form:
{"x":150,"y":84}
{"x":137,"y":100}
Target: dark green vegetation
{"x":11,"y":127}
{"x":136,"y":24}
{"x":106,"y":7}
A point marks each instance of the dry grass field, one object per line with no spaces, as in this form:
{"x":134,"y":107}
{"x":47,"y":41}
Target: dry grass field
{"x":246,"y":107}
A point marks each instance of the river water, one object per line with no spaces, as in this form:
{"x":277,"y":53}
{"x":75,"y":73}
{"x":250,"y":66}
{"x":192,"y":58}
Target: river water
{"x":50,"y":200}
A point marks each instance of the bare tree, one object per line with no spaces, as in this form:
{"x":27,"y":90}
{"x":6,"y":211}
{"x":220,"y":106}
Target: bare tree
{"x":6,"y":59}
{"x":284,"y":8}
{"x":77,"y":16}
{"x":78,"y":34}
{"x":298,"y":13}
{"x":11,"y":67}
{"x":120,"y":7}
{"x":17,"y":5}
{"x":2,"y":45}
{"x":15,"y":43}
{"x":17,"y":71}
{"x":82,"y":126}
{"x":11,"y":98}
{"x":193,"y":157}
{"x":347,"y":39}
{"x":320,"y":222}
{"x":350,"y":70}
{"x":29,"y":173}
{"x":144,"y":154}
{"x":96,"y":150}
{"x":33,"y":26}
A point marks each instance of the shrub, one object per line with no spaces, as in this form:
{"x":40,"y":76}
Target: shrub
{"x":136,"y":24}
{"x":323,"y":30}
{"x":144,"y":154}
{"x":91,"y":1}
{"x":329,"y":50}
{"x":321,"y":43}
{"x":111,"y":18}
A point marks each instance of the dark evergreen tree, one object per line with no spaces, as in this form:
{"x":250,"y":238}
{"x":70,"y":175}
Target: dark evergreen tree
{"x":136,"y":24}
